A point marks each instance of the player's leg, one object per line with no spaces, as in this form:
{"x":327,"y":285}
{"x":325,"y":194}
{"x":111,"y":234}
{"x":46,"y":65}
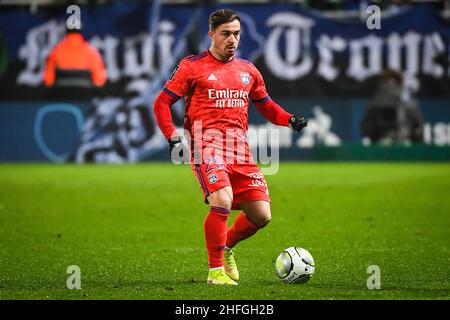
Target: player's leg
{"x":215,"y":225}
{"x":221,"y":198}
{"x":216,"y":186}
{"x":257,"y":212}
{"x":251,"y":195}
{"x":215,"y":228}
{"x":255,"y":215}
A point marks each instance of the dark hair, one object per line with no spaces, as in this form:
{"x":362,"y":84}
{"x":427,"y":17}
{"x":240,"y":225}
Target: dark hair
{"x":222,"y":16}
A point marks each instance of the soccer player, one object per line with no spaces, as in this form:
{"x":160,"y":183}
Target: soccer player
{"x":217,"y":88}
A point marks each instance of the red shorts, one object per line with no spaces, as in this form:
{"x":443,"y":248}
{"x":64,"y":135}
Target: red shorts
{"x":246,"y":180}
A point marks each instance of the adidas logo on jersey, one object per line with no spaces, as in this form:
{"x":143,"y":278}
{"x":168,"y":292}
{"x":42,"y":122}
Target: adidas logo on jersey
{"x":212,"y":77}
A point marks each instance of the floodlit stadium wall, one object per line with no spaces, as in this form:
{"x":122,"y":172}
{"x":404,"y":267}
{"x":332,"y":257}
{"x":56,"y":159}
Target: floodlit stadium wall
{"x":324,"y":69}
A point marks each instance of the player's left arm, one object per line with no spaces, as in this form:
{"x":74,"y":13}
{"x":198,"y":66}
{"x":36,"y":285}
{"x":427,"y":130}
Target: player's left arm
{"x":270,"y":110}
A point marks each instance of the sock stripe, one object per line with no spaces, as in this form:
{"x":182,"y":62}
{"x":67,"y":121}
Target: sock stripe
{"x":221,"y":211}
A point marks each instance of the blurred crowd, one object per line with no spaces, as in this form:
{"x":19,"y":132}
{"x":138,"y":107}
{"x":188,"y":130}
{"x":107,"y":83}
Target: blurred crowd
{"x":356,"y":5}
{"x":393,"y":114}
{"x":325,"y":5}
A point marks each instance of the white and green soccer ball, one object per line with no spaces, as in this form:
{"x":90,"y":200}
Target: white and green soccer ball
{"x":295,"y":265}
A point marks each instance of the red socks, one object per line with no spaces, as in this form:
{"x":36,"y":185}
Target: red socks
{"x":241,"y":229}
{"x":215,"y":227}
{"x":217,"y":237}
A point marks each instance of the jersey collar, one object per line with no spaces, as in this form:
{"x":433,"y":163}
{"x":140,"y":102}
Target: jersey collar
{"x":226,"y":62}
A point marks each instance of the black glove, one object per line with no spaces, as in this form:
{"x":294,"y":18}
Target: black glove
{"x":176,"y":149}
{"x":297,"y":123}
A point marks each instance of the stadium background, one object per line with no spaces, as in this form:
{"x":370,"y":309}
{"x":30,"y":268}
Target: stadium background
{"x":325,"y":65}
{"x":126,"y":226}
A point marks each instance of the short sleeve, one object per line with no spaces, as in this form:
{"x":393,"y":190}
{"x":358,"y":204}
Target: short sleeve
{"x":258,"y":92}
{"x":179,"y":83}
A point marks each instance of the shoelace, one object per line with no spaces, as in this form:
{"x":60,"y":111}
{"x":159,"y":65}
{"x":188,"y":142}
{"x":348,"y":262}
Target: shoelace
{"x":230,"y":259}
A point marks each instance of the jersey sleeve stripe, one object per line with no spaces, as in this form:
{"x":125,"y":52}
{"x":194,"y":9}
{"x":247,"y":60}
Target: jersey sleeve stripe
{"x":261,"y":100}
{"x":200,"y":56}
{"x":173,"y":94}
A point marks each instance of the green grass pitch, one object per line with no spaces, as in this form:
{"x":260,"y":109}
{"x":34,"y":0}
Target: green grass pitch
{"x":136,"y":232}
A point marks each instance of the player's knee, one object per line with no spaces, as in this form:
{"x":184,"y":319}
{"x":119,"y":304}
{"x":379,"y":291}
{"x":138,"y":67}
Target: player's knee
{"x":221,"y":199}
{"x":263,"y":219}
{"x":222,"y":202}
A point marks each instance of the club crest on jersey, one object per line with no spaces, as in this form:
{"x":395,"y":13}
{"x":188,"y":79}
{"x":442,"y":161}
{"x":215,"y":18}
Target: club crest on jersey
{"x":245,"y":77}
{"x":212,"y":178}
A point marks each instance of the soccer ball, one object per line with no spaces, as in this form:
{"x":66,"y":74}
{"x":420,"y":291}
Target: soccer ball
{"x":295,"y":265}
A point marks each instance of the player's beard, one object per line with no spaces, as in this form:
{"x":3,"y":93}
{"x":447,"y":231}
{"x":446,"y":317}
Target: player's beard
{"x":224,"y":53}
{"x":228,"y":52}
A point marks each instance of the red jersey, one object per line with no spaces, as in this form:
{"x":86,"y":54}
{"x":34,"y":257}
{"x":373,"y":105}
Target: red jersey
{"x":217,"y":98}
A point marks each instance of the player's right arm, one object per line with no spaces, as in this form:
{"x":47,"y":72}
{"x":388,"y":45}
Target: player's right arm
{"x":175,"y":88}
